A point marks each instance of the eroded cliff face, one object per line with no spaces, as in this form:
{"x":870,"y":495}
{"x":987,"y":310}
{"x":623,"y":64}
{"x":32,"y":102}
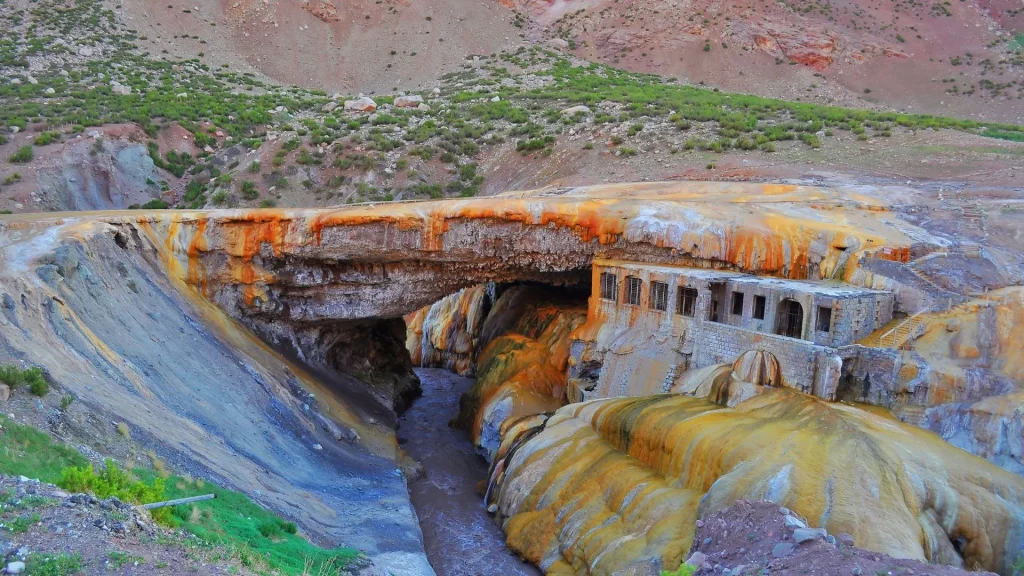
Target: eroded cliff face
{"x":606,"y":484}
{"x":515,"y":343}
{"x":96,"y":309}
{"x":974,"y":372}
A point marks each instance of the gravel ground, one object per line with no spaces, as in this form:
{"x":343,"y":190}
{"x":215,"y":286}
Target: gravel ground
{"x":764,"y":538}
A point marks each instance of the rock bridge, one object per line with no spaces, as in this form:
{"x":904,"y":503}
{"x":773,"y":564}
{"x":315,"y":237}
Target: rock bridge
{"x":142,"y":314}
{"x":385,"y":260}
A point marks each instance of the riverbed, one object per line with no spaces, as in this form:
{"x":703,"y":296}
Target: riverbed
{"x":460,"y":537}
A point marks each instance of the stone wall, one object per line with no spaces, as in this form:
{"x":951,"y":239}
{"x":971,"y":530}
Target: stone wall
{"x":805,"y":366}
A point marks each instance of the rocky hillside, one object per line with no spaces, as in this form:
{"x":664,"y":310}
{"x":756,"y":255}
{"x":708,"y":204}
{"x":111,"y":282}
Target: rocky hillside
{"x":951,"y":58}
{"x":936,"y":57}
{"x":92,"y":120}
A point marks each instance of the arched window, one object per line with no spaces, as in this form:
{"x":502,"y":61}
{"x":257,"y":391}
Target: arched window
{"x":789,"y":319}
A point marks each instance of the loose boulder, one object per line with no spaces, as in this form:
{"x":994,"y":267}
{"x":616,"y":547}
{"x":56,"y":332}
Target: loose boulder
{"x":364,"y":104}
{"x":574,"y":110}
{"x":411,"y":101}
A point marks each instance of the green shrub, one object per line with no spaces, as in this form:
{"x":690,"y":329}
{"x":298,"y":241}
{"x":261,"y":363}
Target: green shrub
{"x":24,"y":154}
{"x":271,"y":529}
{"x":154,"y":204}
{"x":268,"y":203}
{"x":31,"y":377}
{"x":48,"y":137}
{"x":249,"y":191}
{"x":684,"y":570}
{"x":254,"y":167}
{"x":111,"y":481}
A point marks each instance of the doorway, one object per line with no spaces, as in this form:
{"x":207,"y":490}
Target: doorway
{"x":790,"y":320}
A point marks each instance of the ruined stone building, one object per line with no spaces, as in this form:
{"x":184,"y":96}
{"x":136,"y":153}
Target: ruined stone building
{"x":671,"y":319}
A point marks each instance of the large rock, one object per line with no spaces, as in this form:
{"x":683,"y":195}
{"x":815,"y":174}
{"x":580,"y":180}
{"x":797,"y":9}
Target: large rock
{"x":411,"y":101}
{"x":364,"y":104}
{"x":574,"y":110}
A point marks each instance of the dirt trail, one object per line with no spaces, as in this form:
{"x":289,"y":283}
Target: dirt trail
{"x":460,"y":537}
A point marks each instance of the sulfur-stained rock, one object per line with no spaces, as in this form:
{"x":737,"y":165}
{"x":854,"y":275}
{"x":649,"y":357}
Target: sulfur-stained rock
{"x":607,"y":482}
{"x":446,"y":334}
{"x":522,"y":368}
{"x":758,"y":367}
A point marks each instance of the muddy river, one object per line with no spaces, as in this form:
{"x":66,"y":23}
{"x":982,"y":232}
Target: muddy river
{"x":460,"y":537}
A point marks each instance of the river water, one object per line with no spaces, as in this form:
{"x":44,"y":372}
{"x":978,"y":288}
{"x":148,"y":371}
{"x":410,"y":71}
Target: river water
{"x":460,"y":537}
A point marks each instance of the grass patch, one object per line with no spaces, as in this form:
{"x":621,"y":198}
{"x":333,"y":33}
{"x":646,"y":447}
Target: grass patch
{"x":1003,"y":134}
{"x":234,"y":521}
{"x":21,"y":524}
{"x":53,"y":564}
{"x":231,"y":520}
{"x":116,"y":559}
{"x":28,"y":452}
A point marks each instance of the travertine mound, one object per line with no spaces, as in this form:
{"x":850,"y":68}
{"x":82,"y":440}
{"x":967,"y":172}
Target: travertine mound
{"x":606,"y":483}
{"x":522,"y":370}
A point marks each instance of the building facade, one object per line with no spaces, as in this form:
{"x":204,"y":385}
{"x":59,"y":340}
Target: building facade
{"x":686,"y":318}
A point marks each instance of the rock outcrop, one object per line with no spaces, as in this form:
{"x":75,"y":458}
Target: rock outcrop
{"x":446,"y":334}
{"x":94,"y":305}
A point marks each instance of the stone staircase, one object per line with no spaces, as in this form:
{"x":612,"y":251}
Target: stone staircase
{"x":974,"y":217}
{"x":911,"y":277}
{"x":899,"y":334}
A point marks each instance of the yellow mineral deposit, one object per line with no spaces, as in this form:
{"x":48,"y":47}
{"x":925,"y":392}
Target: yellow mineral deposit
{"x":443,"y":334}
{"x":609,"y":481}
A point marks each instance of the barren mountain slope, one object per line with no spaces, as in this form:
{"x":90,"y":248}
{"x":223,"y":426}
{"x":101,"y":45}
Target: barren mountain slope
{"x":955,"y":58}
{"x":939,"y":57}
{"x":351,"y":46}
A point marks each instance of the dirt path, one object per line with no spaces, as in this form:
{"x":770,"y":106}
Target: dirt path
{"x":460,"y":538}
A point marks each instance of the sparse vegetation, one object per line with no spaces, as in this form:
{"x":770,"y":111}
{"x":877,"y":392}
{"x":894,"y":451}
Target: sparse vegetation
{"x":476,"y":109}
{"x":38,"y":564}
{"x":24,"y":154}
{"x":31,"y":377}
{"x":231,"y":520}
